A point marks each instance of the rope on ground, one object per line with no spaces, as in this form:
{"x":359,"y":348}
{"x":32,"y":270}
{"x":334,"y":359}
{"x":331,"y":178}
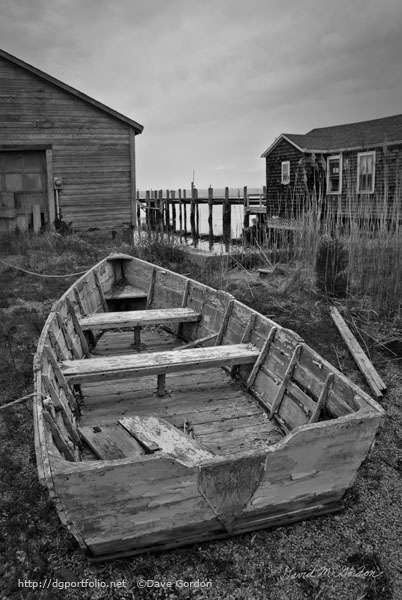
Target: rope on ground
{"x":41,"y":274}
{"x":20,"y":400}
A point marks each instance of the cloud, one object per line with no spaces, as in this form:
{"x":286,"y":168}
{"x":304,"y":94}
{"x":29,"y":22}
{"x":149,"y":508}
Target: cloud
{"x":214,"y":82}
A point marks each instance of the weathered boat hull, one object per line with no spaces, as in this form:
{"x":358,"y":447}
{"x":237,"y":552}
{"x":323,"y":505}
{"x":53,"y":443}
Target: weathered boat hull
{"x":306,"y":444}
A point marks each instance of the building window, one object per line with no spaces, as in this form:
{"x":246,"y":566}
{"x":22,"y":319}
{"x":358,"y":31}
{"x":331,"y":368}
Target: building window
{"x":285,"y":172}
{"x":334,"y":174}
{"x":365,"y":172}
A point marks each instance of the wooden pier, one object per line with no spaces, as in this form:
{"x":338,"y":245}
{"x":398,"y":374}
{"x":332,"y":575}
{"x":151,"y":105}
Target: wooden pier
{"x":177,"y":212}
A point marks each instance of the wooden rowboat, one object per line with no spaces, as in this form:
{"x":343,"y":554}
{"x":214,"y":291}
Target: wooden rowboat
{"x":209,"y":420}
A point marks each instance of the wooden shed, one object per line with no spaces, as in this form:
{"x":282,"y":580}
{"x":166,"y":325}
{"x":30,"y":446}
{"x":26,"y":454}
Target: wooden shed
{"x":350,"y":168}
{"x":63,"y":155}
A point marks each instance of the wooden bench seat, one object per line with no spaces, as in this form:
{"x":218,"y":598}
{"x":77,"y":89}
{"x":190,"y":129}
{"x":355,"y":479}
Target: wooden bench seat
{"x":138,"y":318}
{"x":158,"y":363}
{"x":126,"y":292}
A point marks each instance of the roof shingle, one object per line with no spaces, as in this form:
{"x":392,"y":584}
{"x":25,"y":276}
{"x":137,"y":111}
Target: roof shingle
{"x":351,"y":135}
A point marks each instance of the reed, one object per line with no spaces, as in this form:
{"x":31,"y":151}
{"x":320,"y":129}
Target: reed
{"x":368,"y":228}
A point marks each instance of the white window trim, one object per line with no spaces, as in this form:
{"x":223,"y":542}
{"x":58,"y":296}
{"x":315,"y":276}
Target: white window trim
{"x":335,"y":157}
{"x":283,"y":163}
{"x":359,"y":154}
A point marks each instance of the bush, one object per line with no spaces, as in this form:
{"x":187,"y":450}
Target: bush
{"x":331,"y":265}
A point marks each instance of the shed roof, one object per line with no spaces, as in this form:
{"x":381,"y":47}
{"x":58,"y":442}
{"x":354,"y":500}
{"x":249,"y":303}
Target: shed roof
{"x":67,"y":88}
{"x":345,"y":137}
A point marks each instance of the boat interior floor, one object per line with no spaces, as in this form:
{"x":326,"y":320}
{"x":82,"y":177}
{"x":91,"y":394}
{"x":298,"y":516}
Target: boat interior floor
{"x":207,"y":404}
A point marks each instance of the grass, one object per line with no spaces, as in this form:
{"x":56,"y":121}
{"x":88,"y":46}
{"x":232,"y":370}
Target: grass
{"x":266,"y":565}
{"x":369,"y":230}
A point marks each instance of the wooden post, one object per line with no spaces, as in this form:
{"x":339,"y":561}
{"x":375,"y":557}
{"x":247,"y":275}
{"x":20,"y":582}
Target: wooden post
{"x":37,"y":224}
{"x":246,"y":219}
{"x":161,"y":385}
{"x":137,"y":338}
{"x":185,"y":214}
{"x":173,"y":197}
{"x":138,"y":211}
{"x":155,"y":213}
{"x":210,"y":218}
{"x":160,"y":214}
{"x":197,"y":216}
{"x":192,"y":215}
{"x":50,"y":189}
{"x":167,"y":213}
{"x":226,"y":220}
{"x":180,"y":217}
{"x":148,"y":212}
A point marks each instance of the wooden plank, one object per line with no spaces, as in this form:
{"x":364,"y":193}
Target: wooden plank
{"x":60,"y":377}
{"x":61,"y":444}
{"x":150,"y":295}
{"x":206,"y":338}
{"x":111,"y":442}
{"x":59,"y":404}
{"x":323,"y":398}
{"x":292,"y":413}
{"x":66,"y":334}
{"x":135,"y":318}
{"x":225,"y":322}
{"x":132,"y":365}
{"x":250,"y":325}
{"x":168,"y":438}
{"x":56,"y":346}
{"x":50,"y":189}
{"x":137,"y":430}
{"x":37,"y":221}
{"x":100,"y":290}
{"x":77,"y":328}
{"x":366,"y":367}
{"x":306,"y":403}
{"x":286,"y":379}
{"x":125,"y":292}
{"x":79,"y":301}
{"x":261,"y":357}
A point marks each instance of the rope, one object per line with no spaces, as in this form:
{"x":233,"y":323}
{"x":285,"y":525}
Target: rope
{"x":20,"y":400}
{"x":41,"y":274}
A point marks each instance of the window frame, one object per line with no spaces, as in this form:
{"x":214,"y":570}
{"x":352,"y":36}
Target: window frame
{"x":287,"y":163}
{"x":330,"y":158}
{"x":359,"y":156}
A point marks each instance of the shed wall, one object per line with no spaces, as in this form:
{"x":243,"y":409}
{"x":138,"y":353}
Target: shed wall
{"x":90,"y":148}
{"x":283,"y":199}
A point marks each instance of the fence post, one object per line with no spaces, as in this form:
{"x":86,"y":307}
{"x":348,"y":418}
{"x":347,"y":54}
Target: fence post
{"x":197,"y":216}
{"x":173,"y":199}
{"x":192,"y":215}
{"x":210,"y":218}
{"x":246,"y":216}
{"x":148,"y":212}
{"x":185,"y":214}
{"x":167,"y":213}
{"x":160,"y":214}
{"x":180,"y":218}
{"x":226,"y":220}
{"x":138,"y":213}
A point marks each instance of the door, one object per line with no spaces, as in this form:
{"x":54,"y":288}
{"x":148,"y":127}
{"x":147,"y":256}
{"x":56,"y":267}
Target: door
{"x":23,"y":182}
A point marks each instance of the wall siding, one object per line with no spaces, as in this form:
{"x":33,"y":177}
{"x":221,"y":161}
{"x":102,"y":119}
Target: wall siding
{"x":307,"y":173}
{"x":282,"y":199}
{"x":91,"y":149}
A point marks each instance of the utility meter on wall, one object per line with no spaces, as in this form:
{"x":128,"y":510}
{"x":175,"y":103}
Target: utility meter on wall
{"x":58,"y":183}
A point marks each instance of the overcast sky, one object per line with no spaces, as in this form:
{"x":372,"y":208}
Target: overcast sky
{"x":213,"y":82}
